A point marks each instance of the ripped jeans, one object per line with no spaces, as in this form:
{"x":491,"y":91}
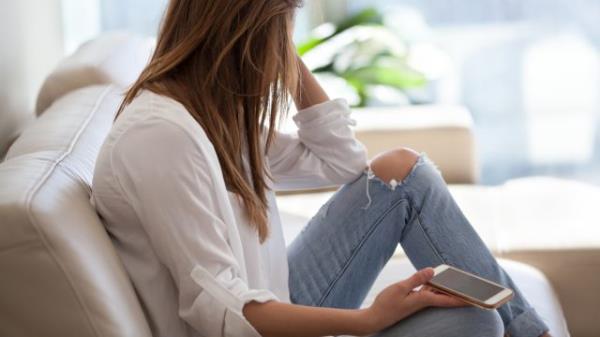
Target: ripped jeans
{"x":339,"y":254}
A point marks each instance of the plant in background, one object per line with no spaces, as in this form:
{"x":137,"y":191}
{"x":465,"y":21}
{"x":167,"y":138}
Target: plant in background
{"x":363,"y":55}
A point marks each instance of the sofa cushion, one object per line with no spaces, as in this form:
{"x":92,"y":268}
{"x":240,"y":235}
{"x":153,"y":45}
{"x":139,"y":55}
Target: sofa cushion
{"x":60,"y":273}
{"x":113,"y":58}
{"x":57,"y":131}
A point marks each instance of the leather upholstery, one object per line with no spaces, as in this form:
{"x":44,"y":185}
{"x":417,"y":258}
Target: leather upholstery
{"x":11,"y":125}
{"x":60,"y":273}
{"x":114,"y":58}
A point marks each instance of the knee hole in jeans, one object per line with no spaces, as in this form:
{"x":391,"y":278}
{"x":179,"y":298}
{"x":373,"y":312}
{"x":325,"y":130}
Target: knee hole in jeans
{"x":394,"y":166}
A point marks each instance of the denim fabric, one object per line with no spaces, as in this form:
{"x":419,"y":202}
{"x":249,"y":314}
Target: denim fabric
{"x":339,"y":254}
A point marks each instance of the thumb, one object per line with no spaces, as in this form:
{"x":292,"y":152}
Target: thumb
{"x":419,"y":278}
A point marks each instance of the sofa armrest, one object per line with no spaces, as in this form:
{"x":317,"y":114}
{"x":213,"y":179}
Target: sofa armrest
{"x":445,"y":133}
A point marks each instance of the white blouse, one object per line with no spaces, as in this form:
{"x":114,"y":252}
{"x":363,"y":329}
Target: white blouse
{"x":183,"y":238}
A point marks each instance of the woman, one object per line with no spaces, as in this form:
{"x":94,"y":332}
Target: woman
{"x":185,"y":181}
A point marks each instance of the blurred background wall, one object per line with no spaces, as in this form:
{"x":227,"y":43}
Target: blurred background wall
{"x":31,"y":42}
{"x":528,"y":70}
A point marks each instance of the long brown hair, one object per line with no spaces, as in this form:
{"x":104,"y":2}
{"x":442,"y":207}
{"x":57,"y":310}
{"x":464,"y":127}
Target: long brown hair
{"x":232,"y":64}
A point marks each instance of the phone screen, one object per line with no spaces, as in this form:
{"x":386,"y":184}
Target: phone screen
{"x":465,"y":284}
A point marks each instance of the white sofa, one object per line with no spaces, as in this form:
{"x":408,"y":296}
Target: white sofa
{"x":60,"y":273}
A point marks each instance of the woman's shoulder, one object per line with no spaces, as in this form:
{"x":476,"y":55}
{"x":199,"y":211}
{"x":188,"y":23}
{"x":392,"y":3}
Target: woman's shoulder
{"x":159,"y":125}
{"x":162,"y":115}
{"x":152,"y":143}
{"x":149,"y":106}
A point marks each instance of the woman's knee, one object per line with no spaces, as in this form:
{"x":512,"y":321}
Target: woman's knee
{"x":471,"y":321}
{"x":449,"y":322}
{"x":479,"y":322}
{"x":394,"y":164}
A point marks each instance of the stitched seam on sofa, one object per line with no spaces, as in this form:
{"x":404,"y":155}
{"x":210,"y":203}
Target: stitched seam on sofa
{"x":358,"y":249}
{"x":76,"y":177}
{"x":20,"y":244}
{"x":36,"y":189}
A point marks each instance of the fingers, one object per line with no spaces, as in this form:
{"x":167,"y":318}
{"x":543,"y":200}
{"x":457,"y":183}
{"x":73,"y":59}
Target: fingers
{"x":431,"y":299}
{"x":419,"y":278}
{"x":427,"y":296}
{"x":427,"y":288}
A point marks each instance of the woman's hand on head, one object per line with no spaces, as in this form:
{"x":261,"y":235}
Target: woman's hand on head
{"x":400,"y":300}
{"x":310,"y":91}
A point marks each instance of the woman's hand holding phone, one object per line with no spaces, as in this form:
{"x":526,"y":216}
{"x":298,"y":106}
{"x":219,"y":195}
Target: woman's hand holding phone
{"x":400,"y":300}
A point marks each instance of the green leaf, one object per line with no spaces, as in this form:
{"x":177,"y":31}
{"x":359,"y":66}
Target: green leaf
{"x":309,"y":45}
{"x":376,"y":59}
{"x":396,"y":77}
{"x":369,"y":16}
{"x":361,"y":89}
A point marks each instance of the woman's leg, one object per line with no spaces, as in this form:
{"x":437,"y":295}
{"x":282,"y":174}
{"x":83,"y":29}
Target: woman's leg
{"x":339,"y":254}
{"x":453,"y":322}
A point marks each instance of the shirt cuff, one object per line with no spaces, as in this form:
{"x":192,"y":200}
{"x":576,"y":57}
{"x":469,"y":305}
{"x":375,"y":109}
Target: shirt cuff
{"x":527,"y":324}
{"x":324,"y":113}
{"x":232,"y":295}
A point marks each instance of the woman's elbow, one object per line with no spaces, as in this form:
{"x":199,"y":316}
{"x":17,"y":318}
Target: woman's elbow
{"x":351,"y":166}
{"x":360,"y":160}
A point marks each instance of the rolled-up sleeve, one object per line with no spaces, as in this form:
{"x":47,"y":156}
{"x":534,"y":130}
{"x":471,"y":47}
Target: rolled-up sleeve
{"x":164,"y":173}
{"x":324,"y":152}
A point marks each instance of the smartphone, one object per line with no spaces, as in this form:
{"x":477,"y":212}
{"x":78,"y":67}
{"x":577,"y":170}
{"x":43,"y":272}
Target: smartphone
{"x":470,"y":288}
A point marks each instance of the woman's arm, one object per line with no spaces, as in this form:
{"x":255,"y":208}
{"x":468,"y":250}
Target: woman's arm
{"x":398,"y":301}
{"x":324,"y":152}
{"x":310,"y":92}
{"x":274,"y":319}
